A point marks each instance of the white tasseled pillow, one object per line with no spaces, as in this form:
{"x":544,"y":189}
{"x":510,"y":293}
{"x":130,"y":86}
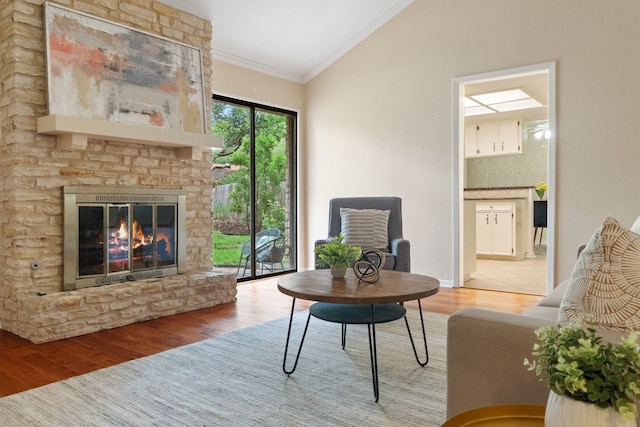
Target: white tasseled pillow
{"x":605,"y":282}
{"x":636,"y":226}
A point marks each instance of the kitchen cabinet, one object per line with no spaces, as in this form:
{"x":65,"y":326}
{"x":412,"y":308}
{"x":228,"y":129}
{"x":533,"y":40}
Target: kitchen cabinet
{"x":471,"y":141}
{"x":493,"y":138}
{"x":496,"y":229}
{"x":469,"y":234}
{"x":510,"y":137}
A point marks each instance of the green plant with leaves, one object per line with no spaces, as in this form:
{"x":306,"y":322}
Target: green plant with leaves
{"x":335,"y":253}
{"x":578,"y":364}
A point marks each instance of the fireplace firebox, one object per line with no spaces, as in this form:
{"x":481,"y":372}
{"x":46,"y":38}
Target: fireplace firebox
{"x":115,"y":234}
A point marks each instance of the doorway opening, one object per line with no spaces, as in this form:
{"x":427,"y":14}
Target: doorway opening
{"x":504,"y":179}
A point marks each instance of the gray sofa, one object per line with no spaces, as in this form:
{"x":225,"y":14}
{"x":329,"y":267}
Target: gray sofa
{"x":486,"y":352}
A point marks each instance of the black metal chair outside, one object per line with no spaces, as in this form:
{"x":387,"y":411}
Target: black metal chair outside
{"x":263,"y":239}
{"x":272,"y":254}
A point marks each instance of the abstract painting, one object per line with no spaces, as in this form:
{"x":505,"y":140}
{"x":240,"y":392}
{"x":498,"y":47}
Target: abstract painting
{"x":102,"y":70}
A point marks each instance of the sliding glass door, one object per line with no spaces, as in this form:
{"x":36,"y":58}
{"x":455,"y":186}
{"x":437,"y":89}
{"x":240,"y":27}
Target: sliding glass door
{"x":254,"y":189}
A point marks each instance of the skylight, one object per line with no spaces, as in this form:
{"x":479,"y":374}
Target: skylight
{"x":498,"y":102}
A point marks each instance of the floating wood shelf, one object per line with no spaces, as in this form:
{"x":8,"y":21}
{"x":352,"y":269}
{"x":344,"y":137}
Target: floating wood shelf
{"x":73,"y":134}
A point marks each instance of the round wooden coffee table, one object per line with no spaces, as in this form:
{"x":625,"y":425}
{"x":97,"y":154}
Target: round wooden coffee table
{"x":349,"y":301}
{"x":393,"y":286}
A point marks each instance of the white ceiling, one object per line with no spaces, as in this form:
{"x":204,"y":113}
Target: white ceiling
{"x":291,"y":39}
{"x":297,"y":39}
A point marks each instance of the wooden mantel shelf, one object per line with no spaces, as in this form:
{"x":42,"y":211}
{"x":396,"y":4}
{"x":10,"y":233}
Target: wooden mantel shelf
{"x":73,"y":134}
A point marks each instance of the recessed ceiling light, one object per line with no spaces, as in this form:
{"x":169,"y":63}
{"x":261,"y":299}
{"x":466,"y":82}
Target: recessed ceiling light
{"x":516,"y":105}
{"x":476,"y":111}
{"x":468,"y":102}
{"x":499,"y":97}
{"x":506,"y":100}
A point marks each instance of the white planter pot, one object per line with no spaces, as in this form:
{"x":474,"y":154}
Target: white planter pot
{"x":338,"y":272}
{"x":562,"y":411}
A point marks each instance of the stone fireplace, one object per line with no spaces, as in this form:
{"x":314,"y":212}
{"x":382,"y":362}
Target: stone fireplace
{"x":158,"y":180}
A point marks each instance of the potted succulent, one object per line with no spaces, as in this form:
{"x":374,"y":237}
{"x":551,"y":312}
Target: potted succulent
{"x":337,"y":255}
{"x":601,"y":379}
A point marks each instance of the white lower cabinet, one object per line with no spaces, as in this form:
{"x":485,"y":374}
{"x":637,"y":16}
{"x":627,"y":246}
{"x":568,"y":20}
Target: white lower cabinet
{"x":495,"y":229}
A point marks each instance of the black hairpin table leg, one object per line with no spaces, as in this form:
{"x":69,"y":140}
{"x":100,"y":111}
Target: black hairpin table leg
{"x":286,"y":347}
{"x":373,"y":352}
{"x":424,"y":338}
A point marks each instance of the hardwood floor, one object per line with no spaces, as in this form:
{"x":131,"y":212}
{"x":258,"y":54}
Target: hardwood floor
{"x":24,"y":365}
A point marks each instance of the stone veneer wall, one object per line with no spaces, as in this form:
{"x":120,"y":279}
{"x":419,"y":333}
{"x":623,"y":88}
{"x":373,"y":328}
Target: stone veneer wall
{"x":33,"y":172}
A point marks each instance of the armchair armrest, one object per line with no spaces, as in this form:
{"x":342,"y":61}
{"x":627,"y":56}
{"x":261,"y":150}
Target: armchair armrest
{"x":485,"y":360}
{"x":401,"y":248}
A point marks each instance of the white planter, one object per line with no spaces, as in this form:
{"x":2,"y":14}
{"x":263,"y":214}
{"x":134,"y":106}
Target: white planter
{"x":338,"y":272}
{"x":562,"y":411}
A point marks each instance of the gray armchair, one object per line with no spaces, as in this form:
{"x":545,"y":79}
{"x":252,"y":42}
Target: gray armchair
{"x":398,"y":253}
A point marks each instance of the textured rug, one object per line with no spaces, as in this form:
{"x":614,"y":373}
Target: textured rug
{"x":237,"y":380}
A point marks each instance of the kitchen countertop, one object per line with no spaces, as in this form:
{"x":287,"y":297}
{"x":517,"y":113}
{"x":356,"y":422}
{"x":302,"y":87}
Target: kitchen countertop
{"x":499,"y":188}
{"x":495,"y":193}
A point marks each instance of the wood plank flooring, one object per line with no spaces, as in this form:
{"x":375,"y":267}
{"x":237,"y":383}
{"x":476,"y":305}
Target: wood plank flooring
{"x":24,"y":365}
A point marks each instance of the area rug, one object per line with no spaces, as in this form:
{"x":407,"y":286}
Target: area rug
{"x":237,"y":380}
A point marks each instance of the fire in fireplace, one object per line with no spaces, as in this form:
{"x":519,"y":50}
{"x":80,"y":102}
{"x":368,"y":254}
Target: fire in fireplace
{"x":113,"y":234}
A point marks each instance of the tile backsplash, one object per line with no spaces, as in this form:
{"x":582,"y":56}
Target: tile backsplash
{"x":517,"y":170}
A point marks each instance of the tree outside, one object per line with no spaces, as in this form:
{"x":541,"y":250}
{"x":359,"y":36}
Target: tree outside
{"x":232,"y":214}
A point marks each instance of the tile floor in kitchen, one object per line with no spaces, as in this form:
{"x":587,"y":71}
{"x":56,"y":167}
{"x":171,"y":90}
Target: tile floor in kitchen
{"x":528,"y":276}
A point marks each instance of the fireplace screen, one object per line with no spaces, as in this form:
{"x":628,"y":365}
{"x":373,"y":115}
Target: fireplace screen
{"x":111,"y":237}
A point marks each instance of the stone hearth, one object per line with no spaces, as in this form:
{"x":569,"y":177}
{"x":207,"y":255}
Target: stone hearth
{"x":66,"y":314}
{"x":34,"y":169}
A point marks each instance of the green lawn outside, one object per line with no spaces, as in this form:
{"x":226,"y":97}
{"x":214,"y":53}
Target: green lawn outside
{"x":226,"y":249}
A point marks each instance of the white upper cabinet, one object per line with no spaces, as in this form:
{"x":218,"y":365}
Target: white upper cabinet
{"x":510,"y":137}
{"x":493,"y":138}
{"x":471,"y":141}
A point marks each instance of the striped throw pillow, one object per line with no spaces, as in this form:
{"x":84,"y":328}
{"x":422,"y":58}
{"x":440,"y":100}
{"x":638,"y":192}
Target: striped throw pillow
{"x":367,"y":228}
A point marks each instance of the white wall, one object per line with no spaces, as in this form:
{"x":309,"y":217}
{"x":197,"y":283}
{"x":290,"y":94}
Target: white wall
{"x":379,"y":120}
{"x":382,"y":114}
{"x":240,"y":83}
